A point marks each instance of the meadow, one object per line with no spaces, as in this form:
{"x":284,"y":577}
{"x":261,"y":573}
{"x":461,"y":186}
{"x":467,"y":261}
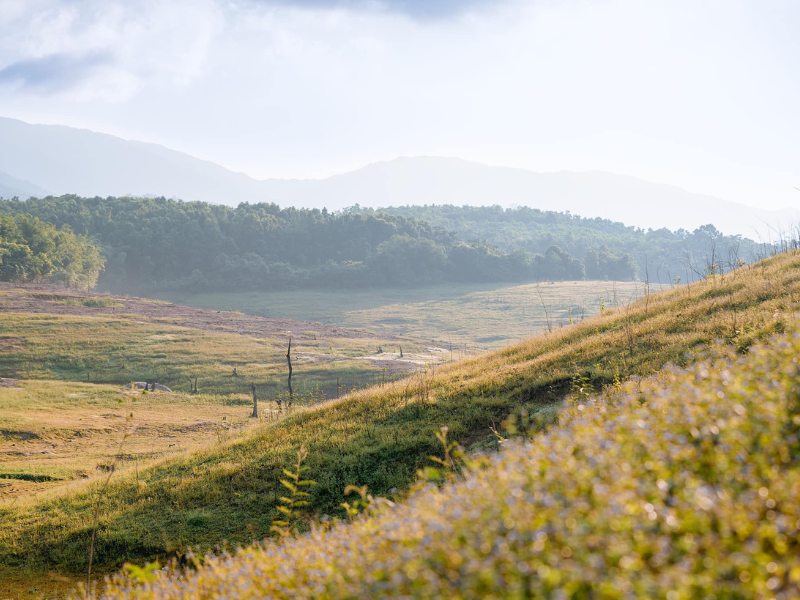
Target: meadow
{"x":67,"y":356}
{"x":55,"y":432}
{"x":471,"y":317}
{"x":381,"y":436}
{"x":114,"y":340}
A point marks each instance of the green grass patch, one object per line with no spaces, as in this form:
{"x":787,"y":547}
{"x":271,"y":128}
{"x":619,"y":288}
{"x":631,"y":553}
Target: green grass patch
{"x":94,"y":302}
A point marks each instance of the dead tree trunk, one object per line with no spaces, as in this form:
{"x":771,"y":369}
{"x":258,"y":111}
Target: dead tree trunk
{"x":255,"y":402}
{"x":289,"y":362}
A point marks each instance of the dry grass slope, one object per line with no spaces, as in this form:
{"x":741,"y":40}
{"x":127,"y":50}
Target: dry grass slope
{"x":683,"y":486}
{"x":379,"y":437}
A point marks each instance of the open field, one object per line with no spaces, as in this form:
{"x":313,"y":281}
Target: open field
{"x":65,"y":357}
{"x":480,"y":316}
{"x":379,"y":437}
{"x":53,"y":432}
{"x":46,"y":334}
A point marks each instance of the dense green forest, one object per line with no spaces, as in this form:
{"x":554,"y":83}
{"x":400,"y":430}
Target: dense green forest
{"x":156,"y":243}
{"x":35,"y":251}
{"x":655,"y":255}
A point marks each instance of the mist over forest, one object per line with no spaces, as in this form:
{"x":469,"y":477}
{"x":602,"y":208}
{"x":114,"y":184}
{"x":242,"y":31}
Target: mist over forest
{"x":160,"y":244}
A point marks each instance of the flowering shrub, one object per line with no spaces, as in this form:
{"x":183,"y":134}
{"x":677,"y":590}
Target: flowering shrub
{"x":681,"y":486}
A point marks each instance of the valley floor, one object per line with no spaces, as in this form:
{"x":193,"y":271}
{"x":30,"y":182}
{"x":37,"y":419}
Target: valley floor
{"x":468,"y":317}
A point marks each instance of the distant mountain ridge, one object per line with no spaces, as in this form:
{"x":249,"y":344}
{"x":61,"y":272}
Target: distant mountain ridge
{"x":11,"y":187}
{"x":60,"y":160}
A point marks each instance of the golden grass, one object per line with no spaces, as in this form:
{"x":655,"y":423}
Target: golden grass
{"x":53,"y":432}
{"x":379,"y":437}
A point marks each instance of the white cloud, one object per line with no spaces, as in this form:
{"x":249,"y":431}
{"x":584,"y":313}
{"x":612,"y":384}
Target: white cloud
{"x":145,"y":43}
{"x":703,"y":95}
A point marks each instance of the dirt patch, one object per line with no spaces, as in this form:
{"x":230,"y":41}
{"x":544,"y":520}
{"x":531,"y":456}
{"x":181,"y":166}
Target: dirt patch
{"x":28,"y":477}
{"x":144,"y":385}
{"x":48,"y":299}
{"x":316,"y":357}
{"x":491,"y":338}
{"x":391,"y":362}
{"x":12,"y":344}
{"x":18,"y":436}
{"x":8,"y":383}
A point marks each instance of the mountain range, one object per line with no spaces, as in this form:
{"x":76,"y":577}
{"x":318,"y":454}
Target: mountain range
{"x":37,"y":160}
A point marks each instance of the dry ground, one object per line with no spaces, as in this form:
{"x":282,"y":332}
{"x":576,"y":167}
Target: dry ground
{"x":48,"y":299}
{"x":53,"y":433}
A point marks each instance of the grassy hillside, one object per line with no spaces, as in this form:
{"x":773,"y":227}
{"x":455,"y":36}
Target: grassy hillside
{"x":483,"y":315}
{"x":379,"y":437}
{"x":683,"y":486}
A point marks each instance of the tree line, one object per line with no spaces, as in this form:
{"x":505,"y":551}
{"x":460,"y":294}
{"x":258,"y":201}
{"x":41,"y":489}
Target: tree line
{"x":166,"y":244}
{"x":32,"y":250}
{"x":608,"y":249}
{"x":159,"y":243}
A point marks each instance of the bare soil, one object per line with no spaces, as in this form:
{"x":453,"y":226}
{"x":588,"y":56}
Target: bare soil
{"x":49,"y":299}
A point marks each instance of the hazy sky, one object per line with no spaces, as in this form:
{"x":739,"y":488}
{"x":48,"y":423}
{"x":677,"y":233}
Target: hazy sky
{"x":702,"y":94}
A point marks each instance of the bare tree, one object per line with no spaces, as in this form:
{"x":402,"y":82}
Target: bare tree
{"x":289,"y":362}
{"x":255,"y":401}
{"x":544,"y":307}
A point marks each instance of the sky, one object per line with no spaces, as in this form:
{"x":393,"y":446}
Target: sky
{"x":704,"y":95}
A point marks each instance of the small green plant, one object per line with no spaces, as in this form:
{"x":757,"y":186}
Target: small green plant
{"x":290,"y":505}
{"x":102,"y":302}
{"x":451,"y":466}
{"x":617,"y":383}
{"x":581,"y":386}
{"x":145,"y":574}
{"x":365,"y":503}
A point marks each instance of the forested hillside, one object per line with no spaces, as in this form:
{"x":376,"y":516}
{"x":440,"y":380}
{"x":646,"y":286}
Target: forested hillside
{"x":32,"y":250}
{"x":161,"y":244}
{"x":607,"y":248}
{"x":155,"y":243}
